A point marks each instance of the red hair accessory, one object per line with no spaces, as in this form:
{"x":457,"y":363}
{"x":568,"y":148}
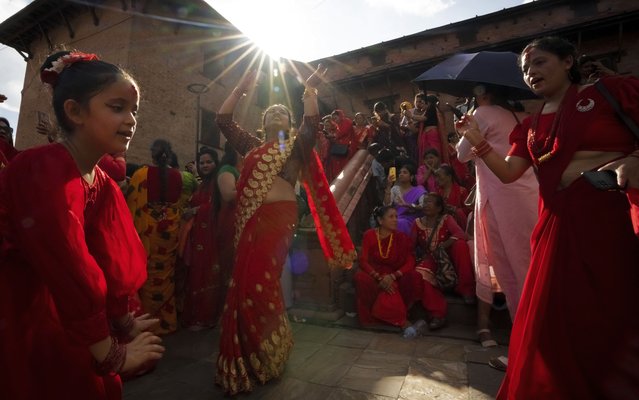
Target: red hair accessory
{"x":51,"y":75}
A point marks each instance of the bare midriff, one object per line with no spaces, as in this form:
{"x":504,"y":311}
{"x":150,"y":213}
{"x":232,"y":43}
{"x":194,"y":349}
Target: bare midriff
{"x":586,"y":161}
{"x":281,"y":190}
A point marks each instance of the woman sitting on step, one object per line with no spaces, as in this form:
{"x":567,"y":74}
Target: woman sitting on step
{"x":436,"y":229}
{"x":385,"y":281}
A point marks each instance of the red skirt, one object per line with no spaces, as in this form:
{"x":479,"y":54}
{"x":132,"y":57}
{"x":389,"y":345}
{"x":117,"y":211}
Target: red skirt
{"x":256,"y":337}
{"x":576,"y":331}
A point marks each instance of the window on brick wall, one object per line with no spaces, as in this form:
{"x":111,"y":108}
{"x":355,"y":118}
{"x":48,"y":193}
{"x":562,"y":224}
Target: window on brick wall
{"x":209,"y":131}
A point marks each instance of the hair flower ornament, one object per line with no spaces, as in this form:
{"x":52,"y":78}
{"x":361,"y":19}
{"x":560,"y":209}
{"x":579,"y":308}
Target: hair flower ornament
{"x":50,"y":75}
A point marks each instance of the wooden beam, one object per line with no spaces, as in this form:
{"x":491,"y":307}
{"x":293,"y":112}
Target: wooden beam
{"x":68,"y":24}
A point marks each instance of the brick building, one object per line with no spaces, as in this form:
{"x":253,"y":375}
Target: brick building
{"x":606,"y":29}
{"x":175,"y":47}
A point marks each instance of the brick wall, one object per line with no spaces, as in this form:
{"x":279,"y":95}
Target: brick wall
{"x":164,"y":58}
{"x":386,"y":70}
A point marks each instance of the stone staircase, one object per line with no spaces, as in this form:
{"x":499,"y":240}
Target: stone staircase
{"x":324,"y":296}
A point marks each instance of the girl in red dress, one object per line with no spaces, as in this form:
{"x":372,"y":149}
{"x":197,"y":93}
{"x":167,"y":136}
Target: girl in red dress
{"x":70,"y":258}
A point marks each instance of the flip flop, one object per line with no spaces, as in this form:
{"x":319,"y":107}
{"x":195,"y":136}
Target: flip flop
{"x":486,"y":342}
{"x":499,"y":363}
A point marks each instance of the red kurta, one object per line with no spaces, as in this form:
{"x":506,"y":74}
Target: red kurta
{"x":576,"y":330}
{"x":374,"y":305}
{"x":70,"y":260}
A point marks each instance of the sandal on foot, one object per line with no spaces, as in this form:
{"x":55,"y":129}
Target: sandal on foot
{"x":436,"y":323}
{"x":499,"y":363}
{"x":485,"y":338}
{"x":414,"y":330}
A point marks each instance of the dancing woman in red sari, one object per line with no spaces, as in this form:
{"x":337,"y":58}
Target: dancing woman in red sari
{"x":385,"y":281}
{"x":70,"y":258}
{"x":256,"y":337}
{"x":576,"y":328}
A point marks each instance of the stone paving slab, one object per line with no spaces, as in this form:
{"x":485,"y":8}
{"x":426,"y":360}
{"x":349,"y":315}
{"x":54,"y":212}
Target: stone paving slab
{"x":335,"y":363}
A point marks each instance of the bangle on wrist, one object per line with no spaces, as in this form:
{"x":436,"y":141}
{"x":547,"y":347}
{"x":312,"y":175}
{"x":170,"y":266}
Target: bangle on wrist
{"x":122,"y":329}
{"x":237,"y":92}
{"x":309,"y":92}
{"x":114,"y":361}
{"x":481,"y":149}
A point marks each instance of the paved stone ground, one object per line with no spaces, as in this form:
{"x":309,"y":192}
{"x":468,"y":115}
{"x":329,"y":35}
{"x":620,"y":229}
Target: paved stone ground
{"x":337,"y":362}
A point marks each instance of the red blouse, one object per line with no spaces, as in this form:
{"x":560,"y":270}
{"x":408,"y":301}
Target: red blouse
{"x":399,"y":257}
{"x":600,"y":127}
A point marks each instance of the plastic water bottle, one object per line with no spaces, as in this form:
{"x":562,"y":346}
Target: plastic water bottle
{"x":414,"y":330}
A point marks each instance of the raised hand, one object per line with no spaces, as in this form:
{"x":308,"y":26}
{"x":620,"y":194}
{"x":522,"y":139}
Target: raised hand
{"x":467,"y":126}
{"x":316,"y":77}
{"x":247,"y":81}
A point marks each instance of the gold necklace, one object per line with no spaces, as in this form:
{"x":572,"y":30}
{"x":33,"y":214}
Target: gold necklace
{"x":388,"y":248}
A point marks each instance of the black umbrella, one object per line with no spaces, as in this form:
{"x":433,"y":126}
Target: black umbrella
{"x":461,"y":72}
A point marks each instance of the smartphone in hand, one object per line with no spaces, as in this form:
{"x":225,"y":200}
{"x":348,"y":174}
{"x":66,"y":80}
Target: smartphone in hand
{"x":392,"y":174}
{"x":602,"y":180}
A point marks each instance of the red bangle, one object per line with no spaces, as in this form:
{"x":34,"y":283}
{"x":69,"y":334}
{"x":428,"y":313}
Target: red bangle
{"x":481,"y":149}
{"x":114,"y":361}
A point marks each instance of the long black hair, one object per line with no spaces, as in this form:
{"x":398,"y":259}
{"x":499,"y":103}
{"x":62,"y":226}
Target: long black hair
{"x":431,"y":110}
{"x":161,"y":156}
{"x":211,"y":152}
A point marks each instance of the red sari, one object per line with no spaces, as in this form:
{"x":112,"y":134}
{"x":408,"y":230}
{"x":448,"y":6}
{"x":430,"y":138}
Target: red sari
{"x":576,"y":329}
{"x":375,"y":305}
{"x":204,"y":281}
{"x":69,"y":262}
{"x":256,"y":338}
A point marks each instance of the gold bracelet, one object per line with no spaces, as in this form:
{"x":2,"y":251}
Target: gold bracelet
{"x":309,"y":92}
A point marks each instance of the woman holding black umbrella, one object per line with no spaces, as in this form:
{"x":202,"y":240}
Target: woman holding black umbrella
{"x":577,"y":326}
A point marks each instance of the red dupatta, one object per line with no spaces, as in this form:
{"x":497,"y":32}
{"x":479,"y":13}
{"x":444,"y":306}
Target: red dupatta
{"x":262,"y":165}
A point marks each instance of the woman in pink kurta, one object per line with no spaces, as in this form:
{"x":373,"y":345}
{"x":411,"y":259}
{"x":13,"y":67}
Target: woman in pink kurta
{"x":505,"y":214}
